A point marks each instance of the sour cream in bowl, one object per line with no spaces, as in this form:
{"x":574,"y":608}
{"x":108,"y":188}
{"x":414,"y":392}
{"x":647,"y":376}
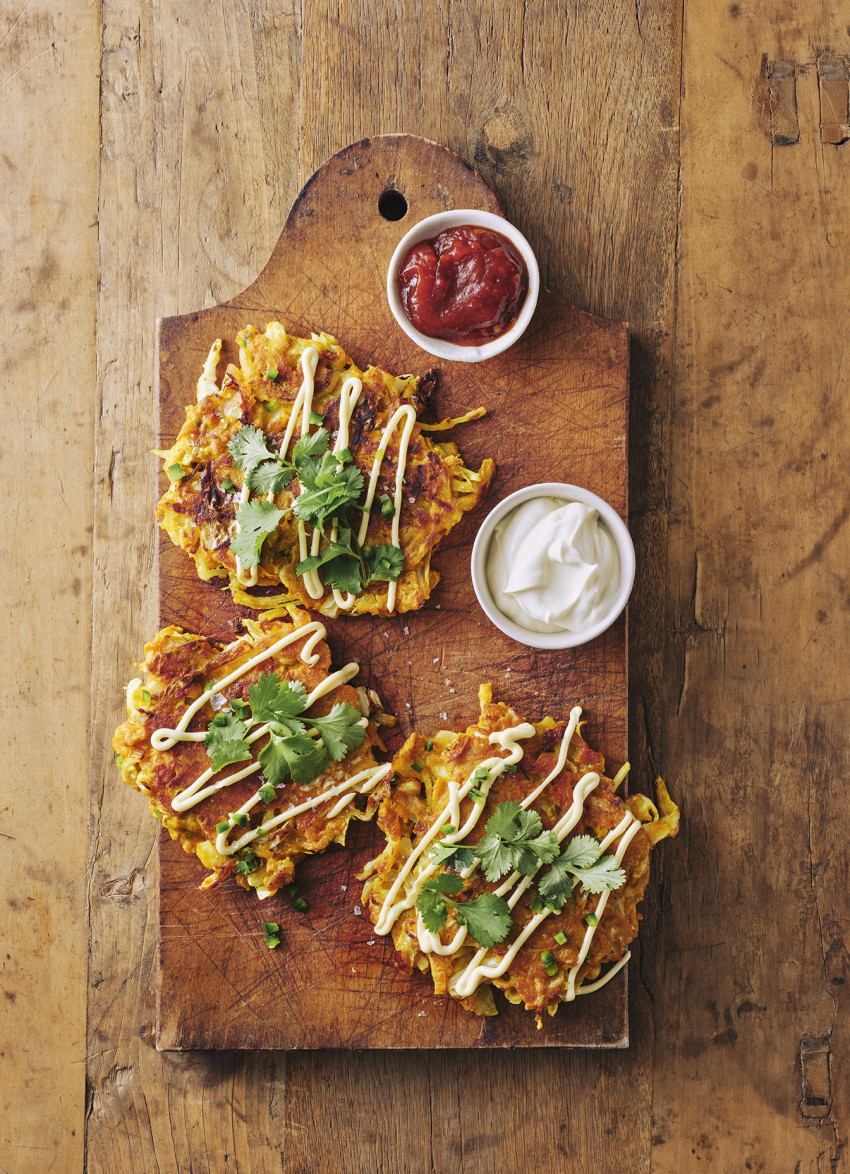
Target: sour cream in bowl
{"x":553,"y":565}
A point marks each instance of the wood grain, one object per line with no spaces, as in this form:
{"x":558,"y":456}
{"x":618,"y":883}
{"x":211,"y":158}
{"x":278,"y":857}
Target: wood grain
{"x":211,"y":118}
{"x":565,"y":384}
{"x":754,"y":963}
{"x":48,"y":245}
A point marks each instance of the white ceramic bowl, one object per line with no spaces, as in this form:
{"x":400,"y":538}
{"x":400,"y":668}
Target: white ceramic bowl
{"x":430,"y":227}
{"x":613,"y":523}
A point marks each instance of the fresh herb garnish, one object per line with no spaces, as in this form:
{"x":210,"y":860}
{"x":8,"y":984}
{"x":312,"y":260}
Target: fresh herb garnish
{"x":272,"y":373}
{"x":228,"y":486}
{"x":515,"y":841}
{"x":560,"y":937}
{"x":580,"y":862}
{"x":330,"y":484}
{"x":255,"y":521}
{"x":175,"y":471}
{"x":487,"y":917}
{"x":225,"y":740}
{"x":429,"y":745}
{"x":290,"y":751}
{"x":146,"y":696}
{"x":454,"y":856}
{"x":387,"y":506}
{"x":317,"y":418}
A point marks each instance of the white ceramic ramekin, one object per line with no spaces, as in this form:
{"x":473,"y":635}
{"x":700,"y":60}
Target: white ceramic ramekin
{"x":430,"y":227}
{"x":613,"y":523}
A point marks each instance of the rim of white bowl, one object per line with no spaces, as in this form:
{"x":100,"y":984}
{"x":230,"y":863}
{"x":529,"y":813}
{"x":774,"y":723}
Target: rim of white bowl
{"x":430,"y":227}
{"x":616,"y":527}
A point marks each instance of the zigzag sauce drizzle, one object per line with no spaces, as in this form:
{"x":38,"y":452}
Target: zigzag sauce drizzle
{"x":349,"y":396}
{"x":470,"y":978}
{"x":164,"y":739}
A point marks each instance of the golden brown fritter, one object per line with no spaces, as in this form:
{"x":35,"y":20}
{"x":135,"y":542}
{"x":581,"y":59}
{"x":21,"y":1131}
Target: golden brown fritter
{"x":545,"y":968}
{"x":199,"y":509}
{"x":178,"y":669}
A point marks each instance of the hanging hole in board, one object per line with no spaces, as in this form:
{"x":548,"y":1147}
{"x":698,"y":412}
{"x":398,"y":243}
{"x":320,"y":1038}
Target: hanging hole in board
{"x":392,"y":205}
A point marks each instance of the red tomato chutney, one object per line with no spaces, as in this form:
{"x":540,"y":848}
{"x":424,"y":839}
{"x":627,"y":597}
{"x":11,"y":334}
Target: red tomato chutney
{"x":465,"y":286}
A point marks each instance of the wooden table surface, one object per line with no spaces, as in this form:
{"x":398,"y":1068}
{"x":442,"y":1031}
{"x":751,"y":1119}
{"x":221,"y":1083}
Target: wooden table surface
{"x":678,"y":166}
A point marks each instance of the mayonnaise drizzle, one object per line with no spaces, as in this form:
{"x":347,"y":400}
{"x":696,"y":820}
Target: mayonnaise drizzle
{"x":407,"y":413}
{"x":466,"y":982}
{"x":392,"y":909}
{"x":164,"y":739}
{"x":349,"y":397}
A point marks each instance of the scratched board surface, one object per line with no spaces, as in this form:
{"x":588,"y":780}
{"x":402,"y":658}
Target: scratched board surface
{"x":557,"y":410}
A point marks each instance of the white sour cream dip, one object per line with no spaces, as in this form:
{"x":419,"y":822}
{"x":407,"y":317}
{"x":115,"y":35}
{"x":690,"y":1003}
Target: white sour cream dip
{"x":552,"y":566}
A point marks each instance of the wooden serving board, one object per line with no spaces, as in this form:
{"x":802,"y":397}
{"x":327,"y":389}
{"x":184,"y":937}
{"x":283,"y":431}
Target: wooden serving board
{"x":557,"y":407}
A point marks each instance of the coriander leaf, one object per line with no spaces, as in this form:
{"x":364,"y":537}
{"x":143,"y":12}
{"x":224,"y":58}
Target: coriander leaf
{"x":545,"y":846}
{"x":255,"y":520}
{"x":454,"y":856}
{"x":487,"y":918}
{"x":341,"y":567}
{"x":501,"y":821}
{"x":604,"y":874}
{"x":580,"y":852}
{"x":557,"y":884}
{"x":269,"y":477}
{"x":580,"y":862}
{"x":529,"y":824}
{"x":344,"y":573}
{"x":339,"y":730}
{"x":297,"y":756}
{"x":328,"y":491}
{"x":431,"y":902}
{"x":385,"y":562}
{"x":312,"y":445}
{"x":514,"y":841}
{"x":225,"y":741}
{"x":248,"y":448}
{"x":496,"y":857}
{"x":273,"y":700}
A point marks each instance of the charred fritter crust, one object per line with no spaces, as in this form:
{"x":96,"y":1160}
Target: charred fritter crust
{"x":180,"y":667}
{"x":418,"y":799}
{"x":198,"y":511}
